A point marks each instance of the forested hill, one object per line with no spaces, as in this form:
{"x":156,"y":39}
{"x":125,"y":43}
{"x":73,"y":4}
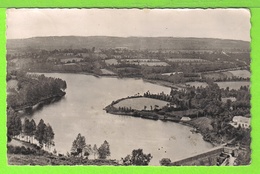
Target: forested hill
{"x":106,"y":42}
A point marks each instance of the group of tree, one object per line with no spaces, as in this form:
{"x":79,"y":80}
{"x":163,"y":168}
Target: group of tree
{"x":81,"y":149}
{"x":42,"y":132}
{"x":209,"y":101}
{"x":209,"y":98}
{"x":14,"y":123}
{"x":165,"y":162}
{"x":137,"y":158}
{"x":35,"y":88}
{"x":29,"y":129}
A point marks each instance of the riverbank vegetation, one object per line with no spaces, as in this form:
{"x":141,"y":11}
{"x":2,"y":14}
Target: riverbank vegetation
{"x":29,"y":132}
{"x":137,"y":158}
{"x":33,"y":89}
{"x":83,"y":150}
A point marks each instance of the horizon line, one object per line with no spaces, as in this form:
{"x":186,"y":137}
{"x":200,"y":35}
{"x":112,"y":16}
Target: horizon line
{"x":129,"y":37}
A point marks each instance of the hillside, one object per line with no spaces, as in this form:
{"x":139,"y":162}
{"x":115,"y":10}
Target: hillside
{"x":19,"y":159}
{"x":106,"y":42}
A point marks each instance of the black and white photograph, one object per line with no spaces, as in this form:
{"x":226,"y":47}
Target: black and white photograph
{"x":128,"y":87}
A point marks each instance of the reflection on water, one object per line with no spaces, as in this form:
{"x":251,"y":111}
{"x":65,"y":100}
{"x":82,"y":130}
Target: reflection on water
{"x":81,"y":111}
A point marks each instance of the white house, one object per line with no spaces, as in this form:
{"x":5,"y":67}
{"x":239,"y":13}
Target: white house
{"x":241,"y":121}
{"x":185,"y":118}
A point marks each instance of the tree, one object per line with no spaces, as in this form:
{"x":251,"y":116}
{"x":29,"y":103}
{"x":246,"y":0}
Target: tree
{"x":78,"y":145}
{"x":165,"y":162}
{"x":137,"y":158}
{"x":14,"y":125}
{"x":104,"y":150}
{"x":48,"y":136}
{"x":29,"y":128}
{"x":32,"y":129}
{"x":26,"y":128}
{"x":88,"y":150}
{"x":127,"y":160}
{"x":95,"y":151}
{"x":39,"y":133}
{"x":228,"y":104}
{"x":55,"y":152}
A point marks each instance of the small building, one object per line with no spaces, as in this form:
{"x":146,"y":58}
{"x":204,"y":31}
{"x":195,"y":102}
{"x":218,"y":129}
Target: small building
{"x":241,"y":121}
{"x":185,"y":119}
{"x":224,"y":99}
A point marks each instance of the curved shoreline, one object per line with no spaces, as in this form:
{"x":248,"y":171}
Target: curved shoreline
{"x":44,"y":101}
{"x":154,"y":115}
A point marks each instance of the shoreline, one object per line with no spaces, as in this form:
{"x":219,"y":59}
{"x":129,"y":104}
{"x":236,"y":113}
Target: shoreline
{"x":43,"y":102}
{"x":154,"y":115}
{"x":151,"y":115}
{"x":157,"y":82}
{"x":168,"y":119}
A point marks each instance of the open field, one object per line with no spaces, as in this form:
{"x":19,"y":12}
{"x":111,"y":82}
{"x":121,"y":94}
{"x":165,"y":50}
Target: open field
{"x":171,"y":73}
{"x":197,"y":84}
{"x":218,"y":75}
{"x":111,"y":62}
{"x":228,"y":74}
{"x":66,"y":60}
{"x":12,"y":84}
{"x":241,"y":73}
{"x":105,"y":71}
{"x":141,"y":60}
{"x":150,"y":63}
{"x":233,"y":85}
{"x":186,"y":60}
{"x":19,"y":63}
{"x":140,"y":103}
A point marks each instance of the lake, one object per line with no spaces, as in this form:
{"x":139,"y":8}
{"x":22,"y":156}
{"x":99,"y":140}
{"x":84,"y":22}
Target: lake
{"x":81,"y":111}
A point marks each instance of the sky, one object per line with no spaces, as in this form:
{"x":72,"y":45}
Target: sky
{"x":210,"y":23}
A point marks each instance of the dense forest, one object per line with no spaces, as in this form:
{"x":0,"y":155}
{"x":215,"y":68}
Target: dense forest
{"x":33,"y":88}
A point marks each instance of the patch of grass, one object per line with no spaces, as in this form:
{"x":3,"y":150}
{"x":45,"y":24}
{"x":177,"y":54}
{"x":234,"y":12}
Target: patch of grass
{"x":15,"y":159}
{"x":233,"y":85}
{"x":241,"y":73}
{"x":141,"y":103}
{"x":111,"y":62}
{"x":202,"y":123}
{"x":216,"y":76}
{"x":105,"y":71}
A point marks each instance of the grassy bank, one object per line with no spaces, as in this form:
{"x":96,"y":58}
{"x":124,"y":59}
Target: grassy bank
{"x":18,"y":159}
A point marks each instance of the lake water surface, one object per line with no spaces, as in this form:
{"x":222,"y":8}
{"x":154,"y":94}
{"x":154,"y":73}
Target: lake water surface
{"x":81,"y":111}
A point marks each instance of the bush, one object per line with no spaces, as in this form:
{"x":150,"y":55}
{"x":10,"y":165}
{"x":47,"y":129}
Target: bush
{"x":10,"y":149}
{"x":20,"y":150}
{"x":165,"y":162}
{"x":24,"y":151}
{"x":137,"y":158}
